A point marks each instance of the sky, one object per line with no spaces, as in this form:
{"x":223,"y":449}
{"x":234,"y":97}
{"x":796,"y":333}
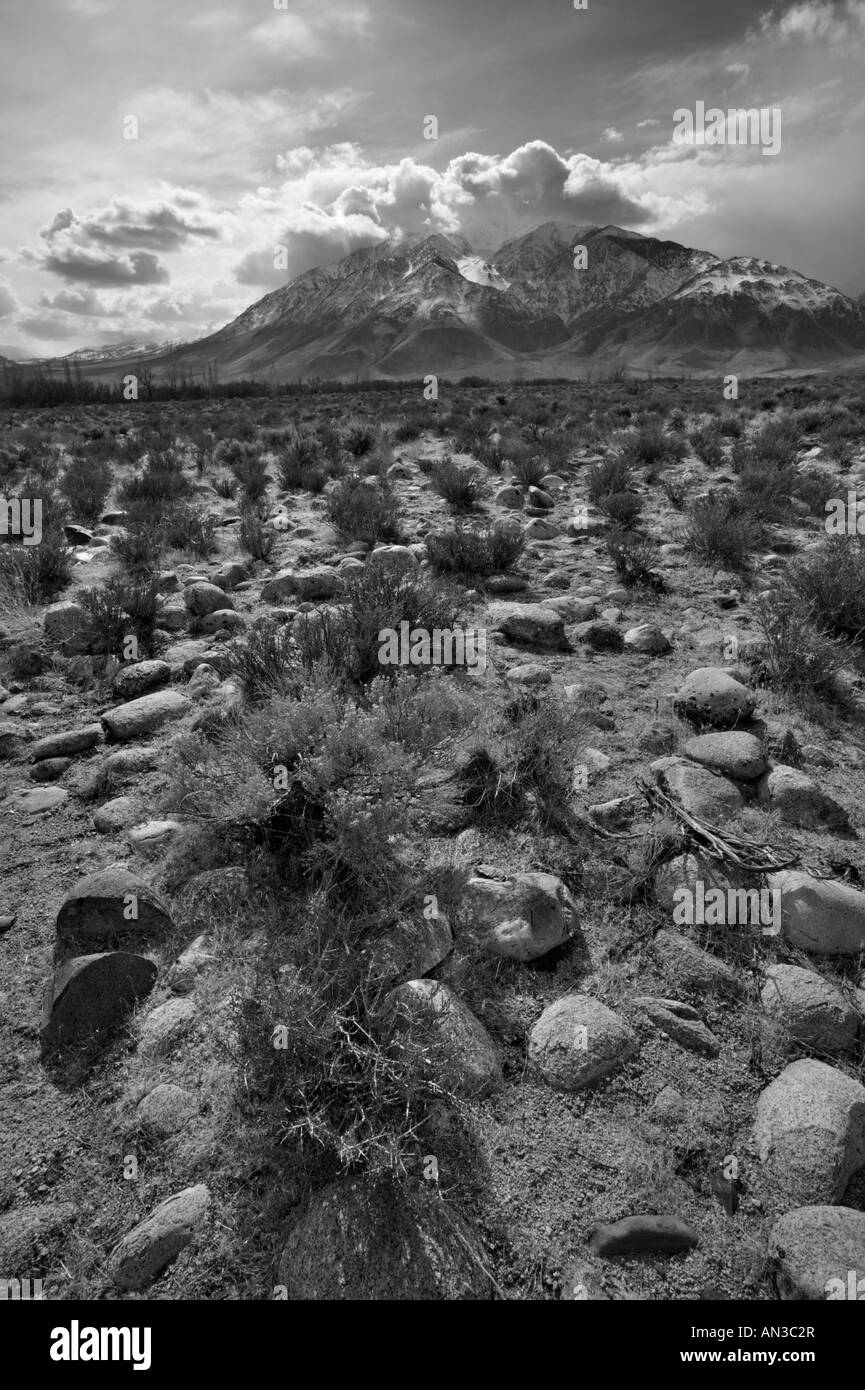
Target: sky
{"x":154,"y":155}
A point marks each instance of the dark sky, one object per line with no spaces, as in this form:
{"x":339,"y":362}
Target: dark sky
{"x":303,"y":126}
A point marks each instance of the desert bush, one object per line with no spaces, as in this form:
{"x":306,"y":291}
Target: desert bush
{"x":676,"y":491}
{"x":719,"y":531}
{"x":529,"y":469}
{"x":187,"y":528}
{"x":256,"y":537}
{"x":85,"y":484}
{"x":476,"y":550}
{"x":817,"y":487}
{"x":829,"y":586}
{"x":262,"y":661}
{"x":251,"y":473}
{"x":766,"y":490}
{"x":459,"y":486}
{"x":796,"y":657}
{"x":117,"y":610}
{"x":359,"y":437}
{"x":364,"y":509}
{"x":611,"y":476}
{"x":622,"y":508}
{"x":706,"y":443}
{"x":632,"y":557}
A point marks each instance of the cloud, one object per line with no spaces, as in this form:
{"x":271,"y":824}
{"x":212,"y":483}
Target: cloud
{"x":652,"y":120}
{"x":611,"y":136}
{"x":75,"y":302}
{"x":817,"y":20}
{"x":48,"y":326}
{"x":96,"y":267}
{"x":8,"y":299}
{"x":300,"y":32}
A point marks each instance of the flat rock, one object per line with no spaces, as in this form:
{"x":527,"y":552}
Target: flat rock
{"x":577,"y":1040}
{"x":813,"y":1011}
{"x":702,"y":793}
{"x":695,"y":971}
{"x":732,"y":753}
{"x":643,"y":1235}
{"x":140,"y":678}
{"x":533,"y":624}
{"x":66,"y":744}
{"x":316,"y":582}
{"x":681,"y":1023}
{"x":151,"y":838}
{"x":820,"y":915}
{"x":145,"y":715}
{"x":800,"y":801}
{"x":40,"y":800}
{"x":463,"y":1051}
{"x":146,"y":1250}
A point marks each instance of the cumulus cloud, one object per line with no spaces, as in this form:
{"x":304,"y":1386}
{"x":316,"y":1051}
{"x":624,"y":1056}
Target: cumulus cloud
{"x":816,"y":21}
{"x":85,"y":302}
{"x":8,"y":299}
{"x":611,"y":136}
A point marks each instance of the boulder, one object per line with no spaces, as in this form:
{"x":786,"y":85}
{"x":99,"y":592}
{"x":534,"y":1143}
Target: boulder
{"x":112,"y":906}
{"x":530,"y":623}
{"x":800,"y":801}
{"x":732,"y":753}
{"x":812,"y":1011}
{"x":577,"y":1040}
{"x":92,"y":995}
{"x":813,"y":1251}
{"x":140,"y":678}
{"x":820,"y":915}
{"x":809,"y":1130}
{"x":700,"y":792}
{"x":145,"y":715}
{"x":463,"y":1051}
{"x":66,"y":744}
{"x":202,"y":598}
{"x":145,"y":1251}
{"x":711,"y":696}
{"x":523,"y":917}
{"x":317,"y":582}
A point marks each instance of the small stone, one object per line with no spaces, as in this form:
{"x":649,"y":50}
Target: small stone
{"x":140,"y":678}
{"x":577,"y":1040}
{"x":66,"y":744}
{"x":166,"y":1026}
{"x":641,"y":1235}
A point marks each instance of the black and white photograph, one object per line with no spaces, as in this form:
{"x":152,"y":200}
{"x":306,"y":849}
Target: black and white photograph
{"x":432,"y":670}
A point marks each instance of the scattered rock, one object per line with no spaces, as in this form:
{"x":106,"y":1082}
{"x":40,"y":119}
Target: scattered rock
{"x":711,"y":696}
{"x":694,"y":970}
{"x":531,"y":623}
{"x":468,"y":1059}
{"x":42,"y":799}
{"x":813,"y":1012}
{"x":153,"y":837}
{"x":647,"y":638}
{"x":67,"y":744}
{"x":680,"y":1022}
{"x":814,"y":1249}
{"x":26,"y":1231}
{"x":166,"y":1110}
{"x":146,"y":1250}
{"x":145,"y":715}
{"x":643,"y":1235}
{"x":809,"y":1130}
{"x":166,"y":1026}
{"x":820,"y":915}
{"x":203,"y":598}
{"x":116,"y":814}
{"x":800,"y":801}
{"x":140,"y":678}
{"x":317,"y":582}
{"x":701,"y":792}
{"x":49,"y":770}
{"x":577,"y":1040}
{"x":523,"y":917}
{"x":734,"y":754}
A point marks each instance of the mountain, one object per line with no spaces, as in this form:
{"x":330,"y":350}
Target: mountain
{"x":553,"y":301}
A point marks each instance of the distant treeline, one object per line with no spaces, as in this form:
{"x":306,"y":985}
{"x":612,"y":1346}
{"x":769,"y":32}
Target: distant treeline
{"x":33,"y":387}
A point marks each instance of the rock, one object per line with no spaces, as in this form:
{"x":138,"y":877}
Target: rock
{"x":734,"y":754}
{"x":145,"y":1251}
{"x":595,"y":762}
{"x":800,"y":801}
{"x":26,"y":1231}
{"x":42,"y":799}
{"x":809,"y":1129}
{"x":541,"y":528}
{"x":697,"y":873}
{"x":578,"y":1040}
{"x":116,"y":814}
{"x":166,"y":1110}
{"x":145,"y":715}
{"x":182,"y":975}
{"x":173,"y":615}
{"x":202,"y":598}
{"x":612,"y":615}
{"x":813,"y":1250}
{"x":532,"y":675}
{"x":13,"y":738}
{"x":66,"y":744}
{"x":507,"y":584}
{"x":680,"y":1022}
{"x":7,"y":922}
{"x":647,"y":638}
{"x":49,"y":770}
{"x":112,"y":906}
{"x":229,"y":575}
{"x":522,"y":918}
{"x":415,"y":948}
{"x":600,"y":635}
{"x":531,"y":623}
{"x":642,"y":1235}
{"x":813,"y":1011}
{"x":701,"y":792}
{"x":317,"y":582}
{"x":139,"y":678}
{"x":510,"y":497}
{"x":203,"y":682}
{"x":152,"y":837}
{"x":612,"y":815}
{"x":392,"y":554}
{"x":77,"y":535}
{"x":668,"y":1107}
{"x":694,"y":970}
{"x":711,"y":696}
{"x":125,"y":762}
{"x":222,"y":620}
{"x":573,"y":610}
{"x":62,"y":621}
{"x":468,"y":1058}
{"x":166,"y":1026}
{"x":92,"y":995}
{"x":820,"y":915}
